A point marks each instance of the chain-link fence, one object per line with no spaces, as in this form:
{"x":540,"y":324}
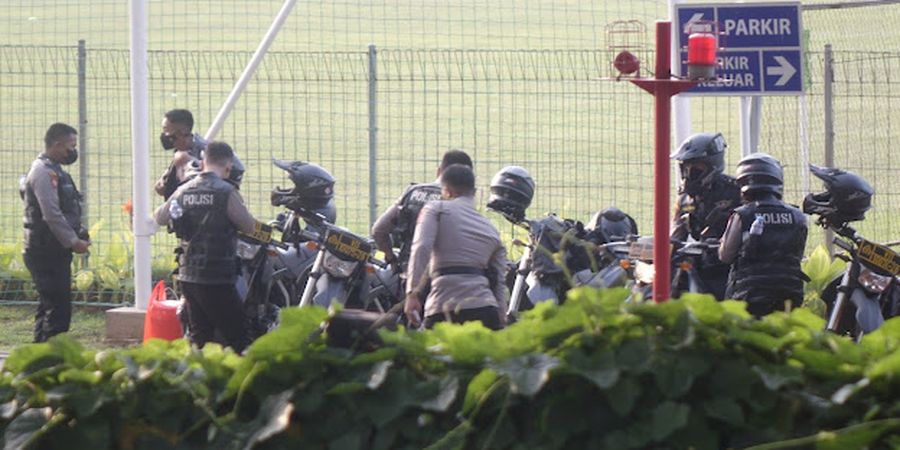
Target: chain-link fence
{"x":545,"y":106}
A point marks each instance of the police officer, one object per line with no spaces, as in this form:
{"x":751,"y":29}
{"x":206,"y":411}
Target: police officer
{"x":464,"y":254}
{"x":764,"y":240}
{"x":396,"y":226}
{"x":53,"y":230}
{"x":177,"y":134}
{"x":206,"y":213}
{"x":706,"y":198}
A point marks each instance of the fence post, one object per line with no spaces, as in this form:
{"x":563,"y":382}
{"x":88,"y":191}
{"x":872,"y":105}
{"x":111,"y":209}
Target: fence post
{"x":373,"y":134}
{"x":82,"y":137}
{"x":828,"y":101}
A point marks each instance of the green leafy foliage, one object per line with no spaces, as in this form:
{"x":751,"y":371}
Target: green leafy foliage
{"x":821,"y":269}
{"x":593,"y":373}
{"x":107,"y":276}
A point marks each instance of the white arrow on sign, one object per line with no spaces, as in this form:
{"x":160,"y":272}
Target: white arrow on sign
{"x":784,"y":68}
{"x":690,"y":23}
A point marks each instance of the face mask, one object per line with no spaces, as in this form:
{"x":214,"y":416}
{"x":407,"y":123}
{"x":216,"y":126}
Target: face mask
{"x":71,"y":156}
{"x":167,"y":141}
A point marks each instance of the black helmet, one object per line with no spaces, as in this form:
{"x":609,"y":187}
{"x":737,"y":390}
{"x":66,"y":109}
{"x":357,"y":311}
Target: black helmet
{"x":612,"y":224}
{"x":511,"y":192}
{"x":846,"y":198}
{"x":313,"y":186}
{"x":329,"y":213}
{"x":701,"y":158}
{"x":236,"y":174}
{"x":760,"y":172}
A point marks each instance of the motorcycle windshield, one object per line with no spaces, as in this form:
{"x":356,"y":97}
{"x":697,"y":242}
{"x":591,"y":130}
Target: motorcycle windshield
{"x":550,"y":233}
{"x":539,"y":292}
{"x":868,"y":310}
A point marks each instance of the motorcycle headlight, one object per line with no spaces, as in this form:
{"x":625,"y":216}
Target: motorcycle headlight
{"x":246,"y":250}
{"x":872,"y":281}
{"x":644,"y":272}
{"x":337,"y":267}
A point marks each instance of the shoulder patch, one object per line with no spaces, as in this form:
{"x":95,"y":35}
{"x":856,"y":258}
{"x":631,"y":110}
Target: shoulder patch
{"x":54,"y":178}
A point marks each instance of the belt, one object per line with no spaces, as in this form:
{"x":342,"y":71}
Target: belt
{"x":459,"y":270}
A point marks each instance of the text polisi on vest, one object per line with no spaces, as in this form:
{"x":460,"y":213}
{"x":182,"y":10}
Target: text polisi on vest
{"x":197,"y":199}
{"x":780,"y":218}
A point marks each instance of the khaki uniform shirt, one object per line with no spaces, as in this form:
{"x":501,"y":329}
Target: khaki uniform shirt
{"x":731,"y":240}
{"x":451,"y":233}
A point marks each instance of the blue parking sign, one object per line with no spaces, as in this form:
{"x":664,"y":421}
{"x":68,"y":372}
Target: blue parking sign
{"x":761,"y":47}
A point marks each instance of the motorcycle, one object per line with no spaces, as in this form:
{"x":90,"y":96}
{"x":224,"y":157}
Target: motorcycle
{"x":538,"y":276}
{"x":273,"y":272}
{"x":871,"y":283}
{"x":590,"y":258}
{"x":612,"y":267}
{"x":870,"y":280}
{"x":346,"y":271}
{"x":685,"y":257}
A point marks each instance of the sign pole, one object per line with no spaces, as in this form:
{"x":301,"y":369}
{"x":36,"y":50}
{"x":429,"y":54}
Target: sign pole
{"x":662,"y":171}
{"x":662,"y":87}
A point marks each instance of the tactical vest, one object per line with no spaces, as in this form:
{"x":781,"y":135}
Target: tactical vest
{"x":709,"y":213}
{"x":412,"y":202}
{"x":38,"y":236}
{"x":209,"y":239}
{"x":770,"y":261}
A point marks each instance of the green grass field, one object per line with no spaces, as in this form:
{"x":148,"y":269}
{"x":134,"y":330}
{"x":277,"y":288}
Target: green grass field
{"x":17,"y":322}
{"x":587,"y":142}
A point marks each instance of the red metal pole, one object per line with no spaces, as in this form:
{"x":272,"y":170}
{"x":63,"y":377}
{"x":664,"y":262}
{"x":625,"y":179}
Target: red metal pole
{"x":663,"y":87}
{"x":661,"y":167}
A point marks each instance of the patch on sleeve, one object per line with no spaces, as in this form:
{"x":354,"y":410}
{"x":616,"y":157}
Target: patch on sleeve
{"x":54,"y":178}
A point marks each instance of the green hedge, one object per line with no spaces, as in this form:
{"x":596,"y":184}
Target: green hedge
{"x":594,"y":373}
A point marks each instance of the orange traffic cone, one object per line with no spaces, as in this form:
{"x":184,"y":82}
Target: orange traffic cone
{"x":161,"y":321}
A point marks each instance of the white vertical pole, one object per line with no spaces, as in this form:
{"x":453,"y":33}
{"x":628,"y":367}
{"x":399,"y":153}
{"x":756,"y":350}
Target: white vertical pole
{"x":373,"y":134}
{"x":828,"y":100}
{"x":250,"y":69}
{"x":681,"y":105}
{"x":744,"y":109}
{"x":140,"y":152}
{"x":82,"y":140}
{"x":756,"y":105}
{"x":804,"y":144}
{"x":751,"y":121}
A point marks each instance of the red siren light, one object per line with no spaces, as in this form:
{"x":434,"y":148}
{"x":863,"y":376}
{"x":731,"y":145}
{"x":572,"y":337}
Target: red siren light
{"x":701,"y":55}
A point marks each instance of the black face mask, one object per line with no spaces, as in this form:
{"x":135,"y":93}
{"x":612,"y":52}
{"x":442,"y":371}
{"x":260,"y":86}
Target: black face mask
{"x":71,"y":156}
{"x":693,"y":177}
{"x":167,"y":141}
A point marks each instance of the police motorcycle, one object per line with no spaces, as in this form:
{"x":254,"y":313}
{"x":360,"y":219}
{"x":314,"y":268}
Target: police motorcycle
{"x":538,"y":276}
{"x":344,"y":269}
{"x":685,"y":257}
{"x":274,"y":271}
{"x":609,"y":231}
{"x":868,"y":292}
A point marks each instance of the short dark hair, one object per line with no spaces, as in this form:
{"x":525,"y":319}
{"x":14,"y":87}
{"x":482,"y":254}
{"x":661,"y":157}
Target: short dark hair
{"x":218,"y":152}
{"x":57,"y":132}
{"x":455,"y":156}
{"x":181,"y":117}
{"x":459,"y":177}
